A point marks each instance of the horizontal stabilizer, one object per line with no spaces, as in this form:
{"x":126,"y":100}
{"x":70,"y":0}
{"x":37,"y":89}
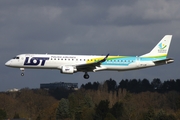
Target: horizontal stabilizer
{"x":165,"y":61}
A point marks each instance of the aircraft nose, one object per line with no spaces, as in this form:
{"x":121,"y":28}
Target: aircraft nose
{"x":8,"y":63}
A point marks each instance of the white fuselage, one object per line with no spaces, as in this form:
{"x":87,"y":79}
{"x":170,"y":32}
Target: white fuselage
{"x":53,"y":61}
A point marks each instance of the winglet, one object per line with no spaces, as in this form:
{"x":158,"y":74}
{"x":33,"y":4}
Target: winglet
{"x":103,"y":60}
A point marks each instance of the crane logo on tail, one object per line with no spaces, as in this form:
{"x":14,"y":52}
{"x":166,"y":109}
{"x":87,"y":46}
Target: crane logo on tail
{"x":162,"y":46}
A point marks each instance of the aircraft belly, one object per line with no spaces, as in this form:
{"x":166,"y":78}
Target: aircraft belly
{"x":121,"y":67}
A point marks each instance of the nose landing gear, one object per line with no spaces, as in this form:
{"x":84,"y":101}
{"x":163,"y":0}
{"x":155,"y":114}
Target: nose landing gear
{"x":22,"y":74}
{"x":22,"y":71}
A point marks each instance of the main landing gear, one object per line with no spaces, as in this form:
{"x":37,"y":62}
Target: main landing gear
{"x":22,"y":71}
{"x":86,"y":76}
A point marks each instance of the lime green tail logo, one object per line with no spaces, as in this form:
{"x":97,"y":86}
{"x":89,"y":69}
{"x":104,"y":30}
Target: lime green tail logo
{"x":162,"y":46}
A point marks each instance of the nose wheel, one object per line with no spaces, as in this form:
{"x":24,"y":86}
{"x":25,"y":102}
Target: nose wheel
{"x":22,"y":74}
{"x":86,"y":76}
{"x":22,"y":70}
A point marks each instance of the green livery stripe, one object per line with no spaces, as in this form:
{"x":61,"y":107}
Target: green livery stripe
{"x":164,"y":55}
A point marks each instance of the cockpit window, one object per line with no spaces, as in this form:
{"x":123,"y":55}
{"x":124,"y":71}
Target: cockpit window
{"x":15,"y":57}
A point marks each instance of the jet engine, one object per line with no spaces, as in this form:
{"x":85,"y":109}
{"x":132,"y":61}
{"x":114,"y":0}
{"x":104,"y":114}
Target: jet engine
{"x":68,"y":69}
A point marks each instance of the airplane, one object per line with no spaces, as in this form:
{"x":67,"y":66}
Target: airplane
{"x":69,"y":64}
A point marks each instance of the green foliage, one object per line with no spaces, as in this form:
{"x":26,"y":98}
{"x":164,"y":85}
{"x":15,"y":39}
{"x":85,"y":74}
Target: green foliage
{"x":16,"y":116}
{"x":112,"y":85}
{"x":117,"y":109}
{"x":87,"y":114}
{"x":137,"y":86}
{"x":136,"y":103}
{"x":38,"y":117}
{"x":150,"y":115}
{"x":63,"y":109}
{"x":91,"y":86}
{"x":3,"y":114}
{"x":163,"y":116}
{"x":101,"y":110}
{"x":173,"y":100}
{"x":80,"y":103}
{"x":156,"y":83}
{"x":178,"y":102}
{"x":109,"y":116}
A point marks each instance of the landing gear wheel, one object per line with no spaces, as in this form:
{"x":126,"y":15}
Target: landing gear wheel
{"x":22,"y":71}
{"x":86,"y":76}
{"x":22,"y":74}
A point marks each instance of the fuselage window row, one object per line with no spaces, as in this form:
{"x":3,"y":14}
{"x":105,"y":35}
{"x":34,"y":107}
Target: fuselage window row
{"x":95,"y":60}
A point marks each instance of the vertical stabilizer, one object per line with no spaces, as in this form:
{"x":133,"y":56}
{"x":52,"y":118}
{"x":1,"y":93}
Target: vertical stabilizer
{"x":161,"y":49}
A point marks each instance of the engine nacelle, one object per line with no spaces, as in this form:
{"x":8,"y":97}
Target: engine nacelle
{"x":67,"y":69}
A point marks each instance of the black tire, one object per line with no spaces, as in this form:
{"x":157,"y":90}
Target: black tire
{"x":86,"y":76}
{"x":22,"y":74}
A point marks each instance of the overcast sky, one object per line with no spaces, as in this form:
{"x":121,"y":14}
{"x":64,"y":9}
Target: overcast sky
{"x":118,"y":27}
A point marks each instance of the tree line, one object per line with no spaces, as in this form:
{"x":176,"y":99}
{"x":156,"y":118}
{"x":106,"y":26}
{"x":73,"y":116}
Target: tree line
{"x":129,"y":99}
{"x":137,"y":85}
{"x":102,"y":104}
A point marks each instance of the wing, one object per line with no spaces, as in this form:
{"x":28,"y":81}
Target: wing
{"x":91,"y":66}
